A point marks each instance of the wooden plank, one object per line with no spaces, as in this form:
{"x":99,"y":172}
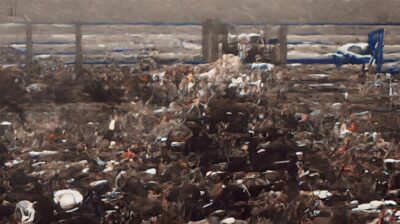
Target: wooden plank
{"x":78,"y":49}
{"x":29,"y":48}
{"x":283,"y":31}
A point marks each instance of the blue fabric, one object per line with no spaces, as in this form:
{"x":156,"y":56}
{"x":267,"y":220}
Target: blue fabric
{"x":376,"y":44}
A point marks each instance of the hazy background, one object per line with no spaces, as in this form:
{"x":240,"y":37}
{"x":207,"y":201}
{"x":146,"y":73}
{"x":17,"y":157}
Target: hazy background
{"x":182,"y":11}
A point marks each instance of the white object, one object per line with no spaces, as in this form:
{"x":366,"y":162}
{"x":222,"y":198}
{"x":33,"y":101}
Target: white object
{"x":68,"y":200}
{"x":374,"y":205}
{"x":13,"y":163}
{"x":261,"y":151}
{"x":38,"y":164}
{"x":230,"y":220}
{"x":24,"y":212}
{"x":43,"y":153}
{"x":120,"y":179}
{"x":111,"y":126}
{"x":164,"y":139}
{"x":213,"y":173}
{"x":323,"y":194}
{"x":98,"y":183}
{"x":6,"y":123}
{"x":151,"y":171}
{"x":346,"y":95}
{"x":177,"y":144}
{"x":112,"y":144}
{"x":391,"y":161}
{"x":343,"y":131}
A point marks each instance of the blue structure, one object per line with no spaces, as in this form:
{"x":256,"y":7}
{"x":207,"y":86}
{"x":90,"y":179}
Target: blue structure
{"x":366,"y":54}
{"x":375,"y":46}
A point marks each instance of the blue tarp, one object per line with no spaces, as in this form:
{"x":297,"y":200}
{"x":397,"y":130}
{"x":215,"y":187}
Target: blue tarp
{"x":376,"y":43}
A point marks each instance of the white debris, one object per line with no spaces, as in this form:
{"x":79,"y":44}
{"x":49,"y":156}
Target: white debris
{"x":237,"y":82}
{"x":6,"y":123}
{"x":343,"y":132}
{"x":164,"y":139}
{"x":318,"y":76}
{"x":322,"y":194}
{"x":24,"y":212}
{"x":111,"y":126}
{"x":213,"y":173}
{"x":13,"y":163}
{"x":355,"y":202}
{"x":68,"y":200}
{"x":177,"y":144}
{"x":110,"y":166}
{"x":374,"y":205}
{"x":43,"y":153}
{"x":98,"y":183}
{"x":38,"y":164}
{"x":391,"y":161}
{"x":151,"y":171}
{"x":112,"y":144}
{"x":346,"y":95}
{"x":390,"y":203}
{"x":261,"y":151}
{"x":120,"y":179}
{"x":230,"y":220}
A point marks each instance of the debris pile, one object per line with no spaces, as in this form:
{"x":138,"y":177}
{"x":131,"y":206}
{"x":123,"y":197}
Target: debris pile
{"x":213,"y":143}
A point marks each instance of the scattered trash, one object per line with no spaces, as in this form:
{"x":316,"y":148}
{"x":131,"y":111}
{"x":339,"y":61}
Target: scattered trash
{"x":151,"y":171}
{"x":42,"y":153}
{"x":322,"y":194}
{"x":6,"y":123}
{"x":24,"y":212}
{"x":228,"y":221}
{"x":68,"y":200}
{"x":174,"y":144}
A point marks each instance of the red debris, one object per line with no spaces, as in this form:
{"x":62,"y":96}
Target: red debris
{"x":129,"y":155}
{"x":353,"y":127}
{"x":304,"y":118}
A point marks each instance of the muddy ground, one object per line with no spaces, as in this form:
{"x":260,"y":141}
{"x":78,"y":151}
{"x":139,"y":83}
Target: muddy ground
{"x":212,"y":143}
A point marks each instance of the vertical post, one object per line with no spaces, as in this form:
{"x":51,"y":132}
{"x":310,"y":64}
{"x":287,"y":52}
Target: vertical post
{"x":78,"y":49}
{"x":205,"y":39}
{"x":210,"y":41}
{"x":214,"y":43}
{"x":283,"y":32}
{"x":223,"y":37}
{"x":29,"y":48}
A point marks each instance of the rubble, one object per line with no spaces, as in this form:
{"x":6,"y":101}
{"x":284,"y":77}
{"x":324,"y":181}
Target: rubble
{"x":212,"y":143}
{"x":24,"y":212}
{"x":68,"y":200}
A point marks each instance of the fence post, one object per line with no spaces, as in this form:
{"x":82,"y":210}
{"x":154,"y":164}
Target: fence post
{"x":210,"y":41}
{"x":283,"y":32}
{"x":78,"y":49}
{"x":222,"y":30}
{"x":29,"y":48}
{"x":206,"y":40}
